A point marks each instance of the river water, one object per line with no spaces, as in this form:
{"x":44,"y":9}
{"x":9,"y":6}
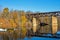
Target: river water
{"x":36,"y":38}
{"x":5,"y":37}
{"x":41,"y":38}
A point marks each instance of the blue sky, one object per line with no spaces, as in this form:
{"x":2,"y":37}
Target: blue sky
{"x":32,"y":5}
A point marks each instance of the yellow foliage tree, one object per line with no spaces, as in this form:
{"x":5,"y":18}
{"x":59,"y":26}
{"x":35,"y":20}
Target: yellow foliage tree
{"x":5,"y":12}
{"x":15,"y":14}
{"x":4,"y":23}
{"x":15,"y":17}
{"x":13,"y":24}
{"x":23,"y":20}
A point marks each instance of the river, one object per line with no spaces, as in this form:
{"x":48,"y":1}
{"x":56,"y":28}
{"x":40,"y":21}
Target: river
{"x":5,"y":37}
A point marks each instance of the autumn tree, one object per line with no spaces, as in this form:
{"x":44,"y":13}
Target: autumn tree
{"x":23,"y":20}
{"x":5,"y":13}
{"x":5,"y":10}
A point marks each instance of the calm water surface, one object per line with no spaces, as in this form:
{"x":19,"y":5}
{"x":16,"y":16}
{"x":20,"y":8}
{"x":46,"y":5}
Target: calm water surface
{"x":36,"y":38}
{"x":40,"y":38}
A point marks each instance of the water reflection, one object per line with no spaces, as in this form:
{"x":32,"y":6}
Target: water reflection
{"x":16,"y":36}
